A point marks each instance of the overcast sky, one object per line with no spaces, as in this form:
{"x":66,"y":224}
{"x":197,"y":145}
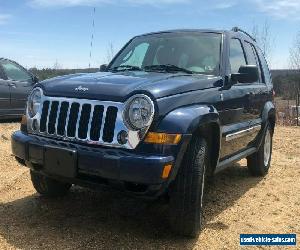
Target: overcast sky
{"x":41,"y":32}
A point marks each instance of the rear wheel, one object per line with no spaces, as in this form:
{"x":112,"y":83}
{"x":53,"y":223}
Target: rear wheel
{"x":186,"y":193}
{"x":47,"y":186}
{"x":259,"y":162}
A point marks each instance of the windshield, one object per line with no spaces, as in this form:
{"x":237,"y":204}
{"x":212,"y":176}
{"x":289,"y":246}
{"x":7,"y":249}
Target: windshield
{"x":187,"y":52}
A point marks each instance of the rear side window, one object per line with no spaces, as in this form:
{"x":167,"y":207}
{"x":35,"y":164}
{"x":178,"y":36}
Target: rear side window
{"x":266,"y":75}
{"x":250,"y":54}
{"x":237,"y":56}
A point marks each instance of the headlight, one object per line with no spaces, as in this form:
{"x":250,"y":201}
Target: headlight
{"x":139,"y":111}
{"x":34,"y":102}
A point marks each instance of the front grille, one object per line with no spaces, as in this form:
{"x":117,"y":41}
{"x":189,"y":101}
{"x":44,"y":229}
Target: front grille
{"x":86,"y":120}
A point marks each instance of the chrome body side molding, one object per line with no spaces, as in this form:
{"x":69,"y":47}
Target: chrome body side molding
{"x":242,"y":133}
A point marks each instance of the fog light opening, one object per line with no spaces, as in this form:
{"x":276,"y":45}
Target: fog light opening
{"x":123,"y":137}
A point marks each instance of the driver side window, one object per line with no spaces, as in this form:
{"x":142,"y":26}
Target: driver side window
{"x":15,"y":73}
{"x":136,"y":57}
{"x":237,"y":56}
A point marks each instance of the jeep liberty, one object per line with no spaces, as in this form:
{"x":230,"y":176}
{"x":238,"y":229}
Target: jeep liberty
{"x":170,"y":109}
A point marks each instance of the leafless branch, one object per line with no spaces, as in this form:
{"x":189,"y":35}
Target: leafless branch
{"x":110,"y":52}
{"x":295,"y":54}
{"x":295,"y":64}
{"x":264,"y":38}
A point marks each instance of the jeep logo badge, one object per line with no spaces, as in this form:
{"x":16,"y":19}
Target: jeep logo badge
{"x":80,"y":88}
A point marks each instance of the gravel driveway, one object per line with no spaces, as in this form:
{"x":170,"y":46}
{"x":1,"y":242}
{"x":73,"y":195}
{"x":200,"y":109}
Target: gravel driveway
{"x":236,"y":203}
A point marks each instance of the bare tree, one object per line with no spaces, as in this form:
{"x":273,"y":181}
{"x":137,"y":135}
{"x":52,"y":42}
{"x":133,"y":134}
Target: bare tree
{"x":255,"y":31}
{"x":295,"y":64}
{"x":110,"y":52}
{"x":264,"y":38}
{"x":57,"y":66}
{"x":295,"y":54}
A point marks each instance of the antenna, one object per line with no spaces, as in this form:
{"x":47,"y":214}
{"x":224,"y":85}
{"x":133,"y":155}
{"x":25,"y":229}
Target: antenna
{"x":92,"y":36}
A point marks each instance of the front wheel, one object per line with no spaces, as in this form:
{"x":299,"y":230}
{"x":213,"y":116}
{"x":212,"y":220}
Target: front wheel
{"x":259,"y":162}
{"x":47,"y":186}
{"x":186,"y":193}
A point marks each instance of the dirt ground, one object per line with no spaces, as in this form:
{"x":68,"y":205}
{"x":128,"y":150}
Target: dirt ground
{"x":236,"y":203}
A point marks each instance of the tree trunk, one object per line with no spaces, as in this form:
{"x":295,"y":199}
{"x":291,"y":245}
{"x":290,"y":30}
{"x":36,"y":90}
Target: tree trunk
{"x":297,"y":106}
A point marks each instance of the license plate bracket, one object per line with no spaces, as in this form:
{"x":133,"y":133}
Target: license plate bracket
{"x":60,"y":161}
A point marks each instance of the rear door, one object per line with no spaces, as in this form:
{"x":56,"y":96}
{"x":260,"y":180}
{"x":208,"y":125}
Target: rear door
{"x":4,"y":94}
{"x":20,"y":83}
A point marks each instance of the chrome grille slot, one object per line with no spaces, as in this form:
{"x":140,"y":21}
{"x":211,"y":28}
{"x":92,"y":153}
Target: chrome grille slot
{"x":84,"y":121}
{"x":73,"y":116}
{"x":43,"y":121}
{"x":96,"y":123}
{"x":109,"y":125}
{"x":52,"y":117}
{"x":62,"y":118}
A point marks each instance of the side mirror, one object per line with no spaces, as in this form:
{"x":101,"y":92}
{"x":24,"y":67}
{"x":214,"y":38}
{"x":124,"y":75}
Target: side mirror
{"x":35,"y":79}
{"x":103,"y":67}
{"x":246,"y":74}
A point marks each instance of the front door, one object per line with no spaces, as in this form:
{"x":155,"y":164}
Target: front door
{"x":238,"y":108}
{"x":4,"y":97}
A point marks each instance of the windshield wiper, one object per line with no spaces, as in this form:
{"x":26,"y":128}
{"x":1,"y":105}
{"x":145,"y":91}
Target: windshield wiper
{"x":125,"y":67}
{"x":168,"y":68}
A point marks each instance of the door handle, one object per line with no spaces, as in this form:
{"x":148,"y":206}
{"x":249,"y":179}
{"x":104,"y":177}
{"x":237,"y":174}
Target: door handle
{"x":12,"y":85}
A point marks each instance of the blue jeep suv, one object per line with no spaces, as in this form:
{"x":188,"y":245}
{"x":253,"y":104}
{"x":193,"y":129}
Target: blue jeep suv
{"x":171,"y":108}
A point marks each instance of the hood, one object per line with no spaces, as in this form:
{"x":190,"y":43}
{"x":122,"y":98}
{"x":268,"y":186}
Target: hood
{"x":107,"y":86}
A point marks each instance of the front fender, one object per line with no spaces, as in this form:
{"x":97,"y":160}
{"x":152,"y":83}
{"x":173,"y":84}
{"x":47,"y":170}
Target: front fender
{"x":186,"y":120}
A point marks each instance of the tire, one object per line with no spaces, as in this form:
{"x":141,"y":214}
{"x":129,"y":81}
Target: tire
{"x":259,"y":162}
{"x":186,"y":193}
{"x":47,"y":186}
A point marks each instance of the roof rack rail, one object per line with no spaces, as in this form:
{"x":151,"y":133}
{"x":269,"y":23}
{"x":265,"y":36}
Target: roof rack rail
{"x":237,"y":29}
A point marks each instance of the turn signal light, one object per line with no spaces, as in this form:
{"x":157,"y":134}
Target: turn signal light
{"x":166,"y":171}
{"x":163,"y":138}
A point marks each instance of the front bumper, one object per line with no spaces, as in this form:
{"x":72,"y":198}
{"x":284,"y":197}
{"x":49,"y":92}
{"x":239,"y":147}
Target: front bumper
{"x":97,"y":165}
